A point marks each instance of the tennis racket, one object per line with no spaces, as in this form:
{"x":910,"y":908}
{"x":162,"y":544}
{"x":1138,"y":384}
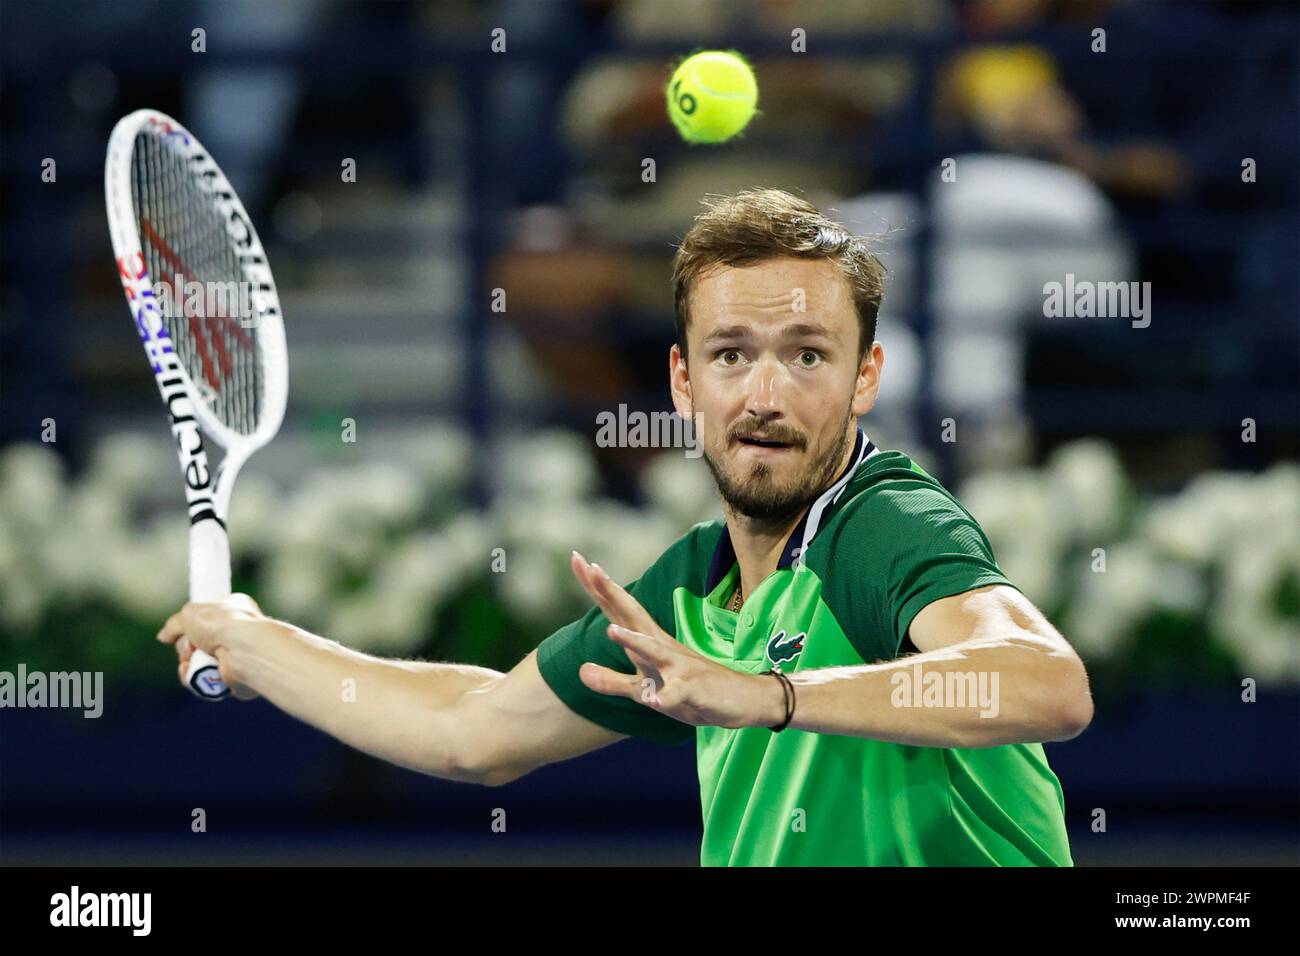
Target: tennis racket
{"x":204,"y":303}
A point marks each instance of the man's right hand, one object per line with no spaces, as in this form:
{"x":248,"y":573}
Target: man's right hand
{"x":208,"y":626}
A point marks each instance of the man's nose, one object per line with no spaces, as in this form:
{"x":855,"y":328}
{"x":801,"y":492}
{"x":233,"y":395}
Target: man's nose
{"x":765,"y":388}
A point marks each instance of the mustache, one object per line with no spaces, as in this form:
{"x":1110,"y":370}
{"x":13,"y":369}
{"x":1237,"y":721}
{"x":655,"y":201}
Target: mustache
{"x":771,"y":432}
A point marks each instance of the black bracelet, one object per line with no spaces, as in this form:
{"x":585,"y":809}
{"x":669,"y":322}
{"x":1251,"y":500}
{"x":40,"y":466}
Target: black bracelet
{"x":788,"y":690}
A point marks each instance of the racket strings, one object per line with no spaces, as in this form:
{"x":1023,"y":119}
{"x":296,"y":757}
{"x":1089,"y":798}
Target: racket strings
{"x":184,"y":240}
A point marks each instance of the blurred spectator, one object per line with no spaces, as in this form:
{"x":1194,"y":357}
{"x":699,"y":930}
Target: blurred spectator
{"x":1010,"y":99}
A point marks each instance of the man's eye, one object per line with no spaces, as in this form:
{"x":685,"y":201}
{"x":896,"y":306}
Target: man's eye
{"x":808,"y":358}
{"x":730,"y":356}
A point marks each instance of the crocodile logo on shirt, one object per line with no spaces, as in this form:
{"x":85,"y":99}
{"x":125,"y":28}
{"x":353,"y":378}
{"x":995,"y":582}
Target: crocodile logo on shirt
{"x":781,"y":648}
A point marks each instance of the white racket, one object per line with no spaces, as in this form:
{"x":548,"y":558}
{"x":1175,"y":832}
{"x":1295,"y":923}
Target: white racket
{"x":204,"y":302}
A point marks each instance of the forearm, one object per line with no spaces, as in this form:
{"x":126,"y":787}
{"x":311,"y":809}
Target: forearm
{"x":981,"y":693}
{"x":400,"y":711}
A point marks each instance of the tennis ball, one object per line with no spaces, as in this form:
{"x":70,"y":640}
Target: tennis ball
{"x":712,"y":96}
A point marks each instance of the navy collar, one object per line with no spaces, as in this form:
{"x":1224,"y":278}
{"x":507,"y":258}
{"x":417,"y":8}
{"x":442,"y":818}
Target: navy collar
{"x":724,"y":555}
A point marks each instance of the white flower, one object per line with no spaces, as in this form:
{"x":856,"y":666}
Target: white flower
{"x":468,"y":543}
{"x":128,"y":465}
{"x":1016,"y":510}
{"x":372,"y":621}
{"x":627,"y":541}
{"x":441,"y":456}
{"x":552,"y":465}
{"x":10,"y":555}
{"x":79,"y":554}
{"x":1175,"y":529}
{"x":530,"y":584}
{"x":22,"y":600}
{"x":1088,"y":484}
{"x":1034,"y":567}
{"x":310,"y":518}
{"x":681,"y":489}
{"x":415,"y":569}
{"x":552,"y":525}
{"x":96,"y":509}
{"x":1252,"y":571}
{"x":299,"y":585}
{"x":384,"y":493}
{"x":1107,"y":604}
{"x":1276,"y":511}
{"x":148,"y":576}
{"x":256,"y":508}
{"x":1223,"y":503}
{"x":32,"y":491}
{"x":1180,"y":587}
{"x":1266,"y":646}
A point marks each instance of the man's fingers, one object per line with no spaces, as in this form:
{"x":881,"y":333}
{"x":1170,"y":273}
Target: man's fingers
{"x":173,"y":628}
{"x":603,"y":680}
{"x":198,"y":627}
{"x":644,"y":665}
{"x":645,"y":648}
{"x":238,"y":691}
{"x":629,"y":610}
{"x":589,"y":576}
{"x":177,"y":625}
{"x":619,"y":606}
{"x":586,"y":575}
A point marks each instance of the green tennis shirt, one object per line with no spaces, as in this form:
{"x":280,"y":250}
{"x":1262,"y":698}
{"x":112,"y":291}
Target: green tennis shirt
{"x":881,"y":543}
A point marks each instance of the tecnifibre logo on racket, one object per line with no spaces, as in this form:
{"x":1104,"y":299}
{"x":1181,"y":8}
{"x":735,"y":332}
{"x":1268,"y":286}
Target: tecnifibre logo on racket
{"x":211,"y":681}
{"x":248,"y":248}
{"x":149,"y":321}
{"x":158,"y":345}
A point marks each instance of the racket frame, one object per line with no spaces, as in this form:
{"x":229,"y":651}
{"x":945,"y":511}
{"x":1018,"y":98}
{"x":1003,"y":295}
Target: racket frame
{"x":207,"y":485}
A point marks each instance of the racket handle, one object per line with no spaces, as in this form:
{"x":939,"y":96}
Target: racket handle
{"x":209,"y":581}
{"x":204,"y":677}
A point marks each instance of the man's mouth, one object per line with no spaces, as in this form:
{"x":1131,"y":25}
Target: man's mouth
{"x":757,"y":441}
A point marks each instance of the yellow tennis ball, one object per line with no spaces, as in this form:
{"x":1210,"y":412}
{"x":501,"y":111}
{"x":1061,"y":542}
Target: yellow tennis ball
{"x":712,"y":96}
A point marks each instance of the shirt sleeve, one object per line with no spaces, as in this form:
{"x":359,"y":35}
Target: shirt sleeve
{"x":904,"y":546}
{"x":949,"y":555}
{"x":560,"y":656}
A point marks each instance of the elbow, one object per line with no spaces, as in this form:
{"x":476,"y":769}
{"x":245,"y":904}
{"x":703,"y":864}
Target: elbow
{"x":499,"y":776}
{"x":480,"y":767}
{"x":1074,"y":709}
{"x":1074,"y":719}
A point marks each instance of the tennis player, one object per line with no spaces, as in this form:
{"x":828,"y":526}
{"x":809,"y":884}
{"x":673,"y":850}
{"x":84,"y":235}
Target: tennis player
{"x":863,"y":684}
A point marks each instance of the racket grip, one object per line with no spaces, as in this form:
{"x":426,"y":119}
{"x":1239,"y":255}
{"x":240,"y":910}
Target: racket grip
{"x":209,"y":581}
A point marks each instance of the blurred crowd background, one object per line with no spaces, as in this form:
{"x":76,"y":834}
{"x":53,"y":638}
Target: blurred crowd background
{"x":1168,"y":154}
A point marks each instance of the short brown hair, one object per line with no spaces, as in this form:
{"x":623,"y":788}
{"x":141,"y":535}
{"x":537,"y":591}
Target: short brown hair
{"x":757,"y":224}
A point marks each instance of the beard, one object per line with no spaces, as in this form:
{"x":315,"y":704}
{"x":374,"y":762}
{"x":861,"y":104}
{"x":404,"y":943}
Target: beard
{"x":759,"y":495}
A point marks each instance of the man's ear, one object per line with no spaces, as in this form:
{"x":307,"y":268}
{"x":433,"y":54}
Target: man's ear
{"x":679,"y":383}
{"x":868,"y":382}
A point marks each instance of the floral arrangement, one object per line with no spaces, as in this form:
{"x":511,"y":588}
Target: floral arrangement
{"x":1203,"y":584}
{"x":379,"y":550}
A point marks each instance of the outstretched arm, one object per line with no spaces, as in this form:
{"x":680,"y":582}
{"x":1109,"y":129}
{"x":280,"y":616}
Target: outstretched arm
{"x":453,"y":721}
{"x":1019,"y":680}
{"x":991,"y":670}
